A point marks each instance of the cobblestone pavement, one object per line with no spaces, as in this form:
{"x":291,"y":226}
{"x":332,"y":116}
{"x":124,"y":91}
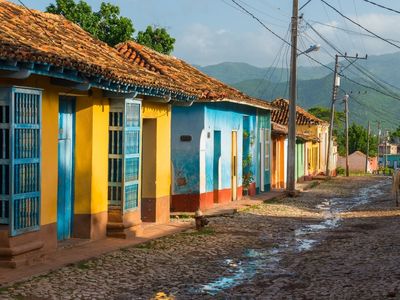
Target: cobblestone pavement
{"x":339,"y":240}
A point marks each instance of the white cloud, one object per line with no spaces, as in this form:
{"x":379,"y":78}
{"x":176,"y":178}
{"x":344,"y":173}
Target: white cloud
{"x":203,"y":45}
{"x":380,"y":24}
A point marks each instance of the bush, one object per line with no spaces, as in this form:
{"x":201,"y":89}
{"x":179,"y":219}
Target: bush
{"x":340,"y":171}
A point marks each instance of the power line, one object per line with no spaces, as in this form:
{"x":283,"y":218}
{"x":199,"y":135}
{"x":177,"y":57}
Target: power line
{"x":275,"y":34}
{"x":382,"y":6}
{"x":359,"y":25}
{"x":305,"y":4}
{"x":350,"y":31}
{"x":310,"y":57}
{"x":360,"y":69}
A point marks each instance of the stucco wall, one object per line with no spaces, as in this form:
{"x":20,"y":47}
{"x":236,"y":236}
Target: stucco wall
{"x":206,"y":119}
{"x":186,"y":121}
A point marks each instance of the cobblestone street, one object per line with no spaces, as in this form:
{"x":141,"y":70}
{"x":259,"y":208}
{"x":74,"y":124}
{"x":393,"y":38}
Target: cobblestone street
{"x":338,"y":240}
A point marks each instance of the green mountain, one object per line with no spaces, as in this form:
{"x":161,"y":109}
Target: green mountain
{"x":315,"y":86}
{"x":364,"y":104}
{"x":232,"y":72}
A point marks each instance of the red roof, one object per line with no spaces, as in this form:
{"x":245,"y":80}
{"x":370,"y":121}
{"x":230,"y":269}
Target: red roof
{"x":303,"y":117}
{"x":208,"y":89}
{"x":31,"y":36}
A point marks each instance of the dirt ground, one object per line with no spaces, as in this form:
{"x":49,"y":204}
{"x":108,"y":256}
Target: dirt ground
{"x":339,"y":240}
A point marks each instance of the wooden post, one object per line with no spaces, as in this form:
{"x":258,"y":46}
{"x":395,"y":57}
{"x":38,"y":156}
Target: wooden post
{"x":334,"y":93}
{"x":291,"y":176}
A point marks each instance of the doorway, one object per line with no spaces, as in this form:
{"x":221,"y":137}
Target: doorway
{"x":262,"y":161}
{"x":216,"y":159}
{"x":66,"y":140}
{"x":234,"y":166}
{"x":149,"y":144}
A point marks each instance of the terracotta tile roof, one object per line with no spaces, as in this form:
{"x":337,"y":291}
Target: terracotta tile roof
{"x":32,"y":36}
{"x":303,"y":117}
{"x":278,"y":129}
{"x":207,"y":88}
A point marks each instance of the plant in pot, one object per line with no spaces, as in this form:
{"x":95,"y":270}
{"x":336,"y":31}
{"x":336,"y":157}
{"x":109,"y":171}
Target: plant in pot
{"x":248,"y":177}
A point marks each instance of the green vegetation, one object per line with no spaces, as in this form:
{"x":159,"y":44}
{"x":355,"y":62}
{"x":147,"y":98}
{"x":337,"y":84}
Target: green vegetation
{"x":157,"y":39}
{"x":395,"y":135}
{"x":109,"y":26}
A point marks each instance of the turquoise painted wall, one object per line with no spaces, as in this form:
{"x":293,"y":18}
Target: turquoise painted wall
{"x":263,"y":121}
{"x":186,"y":121}
{"x":300,"y":156}
{"x":393,"y":160}
{"x":222,"y":117}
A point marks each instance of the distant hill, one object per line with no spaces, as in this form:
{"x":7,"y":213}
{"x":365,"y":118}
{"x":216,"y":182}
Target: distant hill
{"x":364,"y":105}
{"x":233,"y":72}
{"x":315,"y":86}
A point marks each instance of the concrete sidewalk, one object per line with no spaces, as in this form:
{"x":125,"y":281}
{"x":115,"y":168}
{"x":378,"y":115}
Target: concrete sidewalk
{"x":75,"y":250}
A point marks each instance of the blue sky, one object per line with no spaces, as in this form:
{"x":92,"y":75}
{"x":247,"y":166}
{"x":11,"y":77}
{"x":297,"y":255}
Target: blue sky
{"x":212,"y":31}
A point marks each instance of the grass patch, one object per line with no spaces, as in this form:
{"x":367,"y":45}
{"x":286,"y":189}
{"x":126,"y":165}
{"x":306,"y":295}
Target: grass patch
{"x":203,"y":231}
{"x":83,"y":265}
{"x":275,"y":200}
{"x":185,"y":216}
{"x":250,"y":208}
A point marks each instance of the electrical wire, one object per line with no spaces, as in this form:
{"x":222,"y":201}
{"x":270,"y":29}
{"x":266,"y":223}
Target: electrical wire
{"x":360,"y":69}
{"x":359,"y":25}
{"x":310,"y":57}
{"x":382,"y":6}
{"x":350,"y":31}
{"x":305,"y":4}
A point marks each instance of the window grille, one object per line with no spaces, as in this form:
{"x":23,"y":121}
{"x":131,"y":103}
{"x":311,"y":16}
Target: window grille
{"x":20,"y":136}
{"x":124,"y":151}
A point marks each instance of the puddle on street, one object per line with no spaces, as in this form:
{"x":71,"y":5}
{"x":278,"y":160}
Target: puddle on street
{"x":266,"y":261}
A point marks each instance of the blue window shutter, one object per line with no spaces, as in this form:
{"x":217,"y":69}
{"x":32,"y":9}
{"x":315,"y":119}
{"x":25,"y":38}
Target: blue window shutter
{"x":132,"y":146}
{"x":25,"y":160}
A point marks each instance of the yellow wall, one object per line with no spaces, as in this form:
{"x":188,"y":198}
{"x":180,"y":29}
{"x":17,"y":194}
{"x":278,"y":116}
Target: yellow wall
{"x":162,"y":112}
{"x":91,"y":154}
{"x":91,"y":148}
{"x":49,"y":184}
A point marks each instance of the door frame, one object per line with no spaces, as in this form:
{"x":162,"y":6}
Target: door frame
{"x":262,"y":159}
{"x":234,"y":164}
{"x":72,"y":101}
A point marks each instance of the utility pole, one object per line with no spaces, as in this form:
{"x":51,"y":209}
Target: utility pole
{"x":346,"y":109}
{"x":336,"y":84}
{"x":367,"y":155}
{"x":291,"y":157}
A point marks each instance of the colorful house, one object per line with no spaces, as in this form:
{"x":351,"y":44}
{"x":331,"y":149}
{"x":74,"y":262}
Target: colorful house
{"x":311,"y":141}
{"x":226,"y":145}
{"x":220,"y":145}
{"x":75,"y":120}
{"x":279,"y":154}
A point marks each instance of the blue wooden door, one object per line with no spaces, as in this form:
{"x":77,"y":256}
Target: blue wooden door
{"x":131,"y":154}
{"x":65,"y":167}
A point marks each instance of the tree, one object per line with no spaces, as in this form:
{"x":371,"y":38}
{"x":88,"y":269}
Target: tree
{"x":156,"y":38}
{"x":358,"y":136}
{"x":395,"y":136}
{"x":324,"y":113}
{"x":106,"y":24}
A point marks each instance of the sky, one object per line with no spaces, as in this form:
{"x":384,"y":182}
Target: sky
{"x":213,"y":31}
